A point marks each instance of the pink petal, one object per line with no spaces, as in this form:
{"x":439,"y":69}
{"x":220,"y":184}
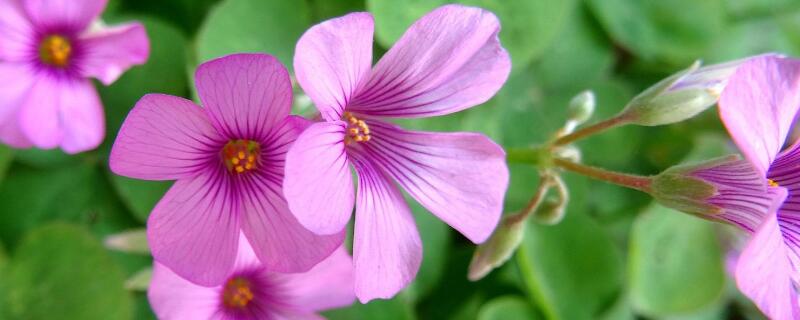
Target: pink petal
{"x":387,"y":250}
{"x":328,"y":285}
{"x":65,"y":112}
{"x":111,"y":51}
{"x":758,"y":106}
{"x":16,"y":33}
{"x":194,"y":229}
{"x":741,"y":193}
{"x":245,"y":94}
{"x":17,"y":79}
{"x":281,"y":243}
{"x":75,"y":15}
{"x":449,"y":60}
{"x":764,"y":272}
{"x":83,"y":119}
{"x":318,"y":183}
{"x":175,"y":298}
{"x":460,"y":177}
{"x":164,"y":138}
{"x":332,"y":58}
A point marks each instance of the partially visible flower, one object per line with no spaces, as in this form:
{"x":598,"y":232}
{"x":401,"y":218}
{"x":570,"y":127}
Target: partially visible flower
{"x":449,"y":60}
{"x":760,"y":194}
{"x":252,"y":291}
{"x":682,"y":95}
{"x":228,"y":160}
{"x":48,"y":52}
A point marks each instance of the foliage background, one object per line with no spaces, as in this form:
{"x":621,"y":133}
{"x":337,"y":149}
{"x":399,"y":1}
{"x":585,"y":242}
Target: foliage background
{"x":615,"y":256}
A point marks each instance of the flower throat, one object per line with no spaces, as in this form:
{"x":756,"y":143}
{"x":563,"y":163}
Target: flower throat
{"x":55,"y":50}
{"x":241,"y":156}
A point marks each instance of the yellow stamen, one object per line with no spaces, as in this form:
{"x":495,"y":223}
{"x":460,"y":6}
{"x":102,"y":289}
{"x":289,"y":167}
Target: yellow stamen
{"x":55,"y":50}
{"x":240,"y":156}
{"x":237,"y":293}
{"x":772,"y":183}
{"x":357,"y":129}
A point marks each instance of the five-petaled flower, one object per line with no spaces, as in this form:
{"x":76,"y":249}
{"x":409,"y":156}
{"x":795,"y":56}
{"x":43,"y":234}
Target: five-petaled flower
{"x":48,"y":52}
{"x":761,"y":194}
{"x":228,"y":160}
{"x":449,"y":60}
{"x":251,"y":291}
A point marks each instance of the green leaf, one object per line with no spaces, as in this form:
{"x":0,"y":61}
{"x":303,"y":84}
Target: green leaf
{"x":139,"y":196}
{"x":729,"y":45}
{"x":6,"y":156}
{"x":675,"y":264}
{"x":54,"y":273}
{"x":46,"y":158}
{"x":163,"y":73}
{"x":436,"y":238}
{"x":271,"y":27}
{"x":75,"y":193}
{"x":528,"y":27}
{"x":674,"y":31}
{"x":572,"y":270}
{"x":326,"y":9}
{"x":394,"y":309}
{"x":581,"y":55}
{"x":507,"y":307}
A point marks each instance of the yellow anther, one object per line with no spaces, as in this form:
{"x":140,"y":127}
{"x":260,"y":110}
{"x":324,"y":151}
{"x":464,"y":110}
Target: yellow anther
{"x":55,"y":50}
{"x":240,"y":156}
{"x":772,"y":183}
{"x":237,"y":293}
{"x":357,"y":129}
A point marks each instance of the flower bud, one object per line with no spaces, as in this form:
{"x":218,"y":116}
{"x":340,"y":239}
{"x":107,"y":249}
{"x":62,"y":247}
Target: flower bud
{"x":581,"y":107}
{"x":132,"y":241}
{"x":140,"y":281}
{"x":498,"y":249}
{"x":680,"y":96}
{"x":552,"y":210}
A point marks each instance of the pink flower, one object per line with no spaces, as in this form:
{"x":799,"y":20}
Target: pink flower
{"x":48,"y":51}
{"x":449,"y":60}
{"x":252,"y":291}
{"x":228,"y":160}
{"x":761,"y":194}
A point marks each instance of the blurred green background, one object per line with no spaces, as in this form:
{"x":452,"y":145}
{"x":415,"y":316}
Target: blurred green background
{"x":615,"y":256}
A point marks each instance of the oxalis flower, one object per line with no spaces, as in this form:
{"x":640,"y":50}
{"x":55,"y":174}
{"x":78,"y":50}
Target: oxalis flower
{"x":48,"y":51}
{"x":251,"y":291}
{"x":228,"y":160}
{"x":760,"y":194}
{"x":449,"y":60}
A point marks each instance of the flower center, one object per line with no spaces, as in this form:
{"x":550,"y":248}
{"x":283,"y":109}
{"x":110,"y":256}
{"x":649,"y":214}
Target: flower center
{"x":772,"y":183}
{"x":55,"y":50}
{"x":241,"y":155}
{"x":237,"y":293}
{"x":357,"y":129}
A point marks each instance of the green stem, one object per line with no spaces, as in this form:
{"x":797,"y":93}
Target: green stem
{"x":535,"y":201}
{"x":536,"y":156}
{"x":636,"y":182}
{"x":591,"y":130}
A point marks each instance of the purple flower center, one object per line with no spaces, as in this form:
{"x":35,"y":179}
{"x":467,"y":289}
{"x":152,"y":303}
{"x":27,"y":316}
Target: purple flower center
{"x":241,"y":156}
{"x":55,"y":50}
{"x":237,"y":293}
{"x":357,"y":129}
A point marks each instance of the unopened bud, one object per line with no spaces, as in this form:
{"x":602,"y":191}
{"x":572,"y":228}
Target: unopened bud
{"x":498,"y":249}
{"x":581,"y":107}
{"x":680,"y":96}
{"x":133,"y":241}
{"x":552,"y":210}
{"x":140,"y":281}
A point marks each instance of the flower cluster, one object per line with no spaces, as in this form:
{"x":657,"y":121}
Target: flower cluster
{"x":254,"y":226}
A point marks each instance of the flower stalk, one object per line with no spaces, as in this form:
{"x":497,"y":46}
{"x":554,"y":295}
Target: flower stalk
{"x":636,"y":182}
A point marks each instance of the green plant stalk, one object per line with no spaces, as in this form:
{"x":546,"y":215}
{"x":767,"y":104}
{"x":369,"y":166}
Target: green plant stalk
{"x":641,"y":183}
